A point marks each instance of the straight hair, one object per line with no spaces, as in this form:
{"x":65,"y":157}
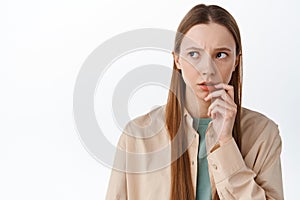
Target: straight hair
{"x":181,"y":180}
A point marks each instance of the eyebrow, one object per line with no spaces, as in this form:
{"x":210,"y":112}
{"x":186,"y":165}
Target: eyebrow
{"x":218,"y":49}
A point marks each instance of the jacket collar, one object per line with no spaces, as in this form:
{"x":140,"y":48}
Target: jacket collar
{"x":188,"y":117}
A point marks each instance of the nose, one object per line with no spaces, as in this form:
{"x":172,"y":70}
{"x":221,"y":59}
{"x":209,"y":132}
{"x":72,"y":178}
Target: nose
{"x":207,"y":67}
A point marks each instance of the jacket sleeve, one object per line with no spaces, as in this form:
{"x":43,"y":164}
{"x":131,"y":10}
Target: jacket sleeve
{"x":117,"y":187}
{"x":235,"y":180}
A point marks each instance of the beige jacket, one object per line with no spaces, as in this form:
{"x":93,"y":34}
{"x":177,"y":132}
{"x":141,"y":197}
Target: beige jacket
{"x":252,"y":173}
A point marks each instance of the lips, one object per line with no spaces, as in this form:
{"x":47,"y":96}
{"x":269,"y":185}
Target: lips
{"x":207,"y":86}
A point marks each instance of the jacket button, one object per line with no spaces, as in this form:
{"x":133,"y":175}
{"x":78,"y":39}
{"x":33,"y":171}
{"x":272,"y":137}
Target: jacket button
{"x":192,"y":162}
{"x":215,"y":166}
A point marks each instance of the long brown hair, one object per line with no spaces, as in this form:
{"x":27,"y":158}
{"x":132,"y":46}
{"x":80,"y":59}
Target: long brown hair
{"x":181,"y":181}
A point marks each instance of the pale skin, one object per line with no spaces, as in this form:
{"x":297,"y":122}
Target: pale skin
{"x":207,"y":55}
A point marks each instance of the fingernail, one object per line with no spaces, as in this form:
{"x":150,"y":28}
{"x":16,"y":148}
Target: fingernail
{"x":217,"y":85}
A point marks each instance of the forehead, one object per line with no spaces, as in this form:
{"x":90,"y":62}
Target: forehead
{"x":208,"y":37}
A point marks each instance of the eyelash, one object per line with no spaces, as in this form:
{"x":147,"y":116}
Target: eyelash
{"x":190,"y":54}
{"x":193,"y":52}
{"x":221,"y":53}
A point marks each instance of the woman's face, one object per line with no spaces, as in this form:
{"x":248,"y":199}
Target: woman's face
{"x":207,"y":57}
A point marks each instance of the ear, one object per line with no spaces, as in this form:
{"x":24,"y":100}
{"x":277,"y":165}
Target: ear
{"x":237,"y":61}
{"x":176,"y":60}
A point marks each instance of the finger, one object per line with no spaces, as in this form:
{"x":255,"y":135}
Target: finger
{"x":214,"y":94}
{"x":221,"y":103}
{"x":218,"y":110}
{"x":222,"y":94}
{"x":224,"y":112}
{"x":228,"y":88}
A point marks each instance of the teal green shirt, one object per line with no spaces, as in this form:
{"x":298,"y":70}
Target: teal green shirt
{"x":203,"y":191}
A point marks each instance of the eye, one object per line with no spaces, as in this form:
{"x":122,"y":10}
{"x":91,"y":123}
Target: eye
{"x":221,"y":55}
{"x":194,"y":54}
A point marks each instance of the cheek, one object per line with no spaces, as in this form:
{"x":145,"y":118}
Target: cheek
{"x":226,"y":72}
{"x":189,"y":73}
{"x":226,"y":75}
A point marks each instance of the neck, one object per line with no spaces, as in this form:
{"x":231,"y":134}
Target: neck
{"x":196,"y":106}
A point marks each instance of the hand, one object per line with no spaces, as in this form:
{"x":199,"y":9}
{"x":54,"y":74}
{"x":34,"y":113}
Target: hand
{"x":222,"y":110}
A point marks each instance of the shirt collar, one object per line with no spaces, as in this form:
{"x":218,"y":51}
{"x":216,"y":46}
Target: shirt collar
{"x":212,"y":136}
{"x":188,"y":116}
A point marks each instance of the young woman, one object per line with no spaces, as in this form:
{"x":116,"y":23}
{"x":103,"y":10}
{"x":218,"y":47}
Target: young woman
{"x":219,"y":150}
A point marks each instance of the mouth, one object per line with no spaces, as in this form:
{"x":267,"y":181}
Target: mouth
{"x":207,"y":86}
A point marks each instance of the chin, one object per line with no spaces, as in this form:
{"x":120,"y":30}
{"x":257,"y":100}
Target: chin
{"x":201,"y":94}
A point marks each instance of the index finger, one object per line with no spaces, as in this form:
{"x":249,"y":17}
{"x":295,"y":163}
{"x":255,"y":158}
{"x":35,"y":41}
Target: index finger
{"x":228,"y":88}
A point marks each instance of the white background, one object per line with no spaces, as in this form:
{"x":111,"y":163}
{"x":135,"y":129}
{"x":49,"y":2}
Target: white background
{"x":43,"y":45}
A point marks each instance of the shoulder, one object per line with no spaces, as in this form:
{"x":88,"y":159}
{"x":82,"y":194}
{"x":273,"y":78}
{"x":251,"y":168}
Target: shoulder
{"x":146,"y":132}
{"x":257,"y":119}
{"x":257,"y":128}
{"x":155,"y":117}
